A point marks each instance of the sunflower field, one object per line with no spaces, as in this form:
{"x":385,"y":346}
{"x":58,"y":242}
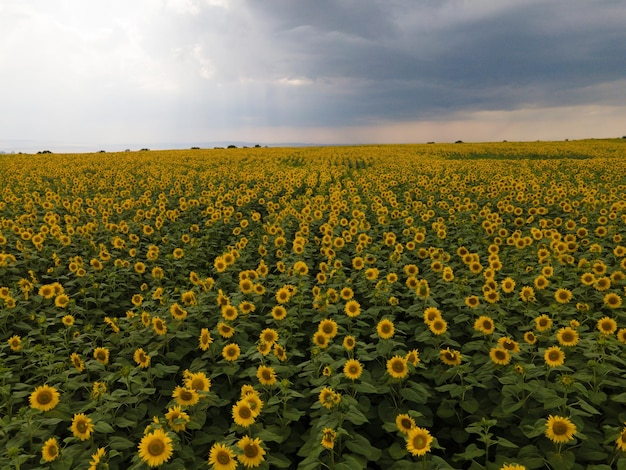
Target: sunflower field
{"x":443,"y":306}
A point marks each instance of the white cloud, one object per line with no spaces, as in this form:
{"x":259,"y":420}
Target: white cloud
{"x":300,"y":81}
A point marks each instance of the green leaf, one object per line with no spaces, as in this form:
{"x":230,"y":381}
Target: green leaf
{"x":122,"y":422}
{"x":103,"y":427}
{"x":351,"y":462}
{"x":361,"y":445}
{"x":293,"y":414}
{"x":620,"y":398}
{"x":365,"y":387}
{"x":356,"y":417}
{"x":470,"y":405}
{"x":396,"y":451}
{"x":562,"y":461}
{"x":120,"y":443}
{"x":277,"y":460}
{"x":471,"y":452}
{"x":506,"y":443}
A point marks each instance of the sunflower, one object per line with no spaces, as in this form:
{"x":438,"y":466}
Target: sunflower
{"x":50,"y":450}
{"x":346,"y":293}
{"x":320,"y":340}
{"x":246,"y":307}
{"x":567,"y":337}
{"x":185,"y":396}
{"x":155,"y":448}
{"x":136,"y":300}
{"x":491,"y":296}
{"x":527,"y":294}
{"x":245,"y":286}
{"x":77,"y":362}
{"x":15,"y":343}
{"x":61,"y":300}
{"x":264,"y":348}
{"x":509,"y":344}
{"x":352,"y":308}
{"x":252,"y":451}
{"x":559,"y":429}
{"x":543,"y":323}
{"x":266,"y":375}
{"x":485,"y":325}
{"x":472,"y":301}
{"x":177,"y":419}
{"x":588,"y":279}
{"x":283,"y":295}
{"x":205,"y":339}
{"x":328,"y":328}
{"x":141,"y":358}
{"x":222,"y":457}
{"x":349,"y":342}
{"x":300,"y":268}
{"x":159,"y":326}
{"x":508,"y":285}
{"x":279,"y":312}
{"x":541,"y":282}
{"x":268,"y":335}
{"x":397,"y":367}
{"x":254,"y":402}
{"x":225,"y":330}
{"x":279,"y":352}
{"x":413,"y":357}
{"x":621,"y":335}
{"x":328,"y":438}
{"x":98,"y":390}
{"x":96,"y":457}
{"x":438,"y":327}
{"x":562,"y":295}
{"x":352,"y":369}
{"x":418,"y":441}
{"x":371,"y":274}
{"x":82,"y":426}
{"x":512,"y":466}
{"x":44,"y":398}
{"x":612,"y":300}
{"x":328,"y":397}
{"x":68,"y":320}
{"x":602,"y":283}
{"x":198,"y":381}
{"x":385,"y":328}
{"x":621,"y":441}
{"x":499,"y":356}
{"x":450,"y":357}
{"x":606,"y":326}
{"x":231,"y":352}
{"x":554,"y":356}
{"x":404,"y":423}
{"x":47,"y":291}
{"x":101,"y":355}
{"x":412,"y":282}
{"x":431,"y":314}
{"x":242,"y":414}
{"x":229,"y":312}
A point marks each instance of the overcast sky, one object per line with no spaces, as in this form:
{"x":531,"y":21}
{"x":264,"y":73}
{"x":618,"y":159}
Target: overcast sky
{"x":108,"y":73}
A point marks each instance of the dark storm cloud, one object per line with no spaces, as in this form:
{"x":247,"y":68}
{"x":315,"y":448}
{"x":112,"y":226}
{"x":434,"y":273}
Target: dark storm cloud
{"x":410,"y":59}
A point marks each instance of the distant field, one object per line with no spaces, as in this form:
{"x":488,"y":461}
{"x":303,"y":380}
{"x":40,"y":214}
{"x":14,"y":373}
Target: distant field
{"x":383,"y":307}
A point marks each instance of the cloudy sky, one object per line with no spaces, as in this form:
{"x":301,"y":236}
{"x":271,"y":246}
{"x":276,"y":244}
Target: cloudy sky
{"x":102,"y":74}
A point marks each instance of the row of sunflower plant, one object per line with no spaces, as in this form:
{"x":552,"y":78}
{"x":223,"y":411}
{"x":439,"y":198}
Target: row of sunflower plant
{"x":343,"y":308}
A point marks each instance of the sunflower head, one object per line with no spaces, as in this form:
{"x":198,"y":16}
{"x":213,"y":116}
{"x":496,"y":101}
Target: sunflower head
{"x":44,"y":398}
{"x":559,"y":429}
{"x":155,"y":448}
